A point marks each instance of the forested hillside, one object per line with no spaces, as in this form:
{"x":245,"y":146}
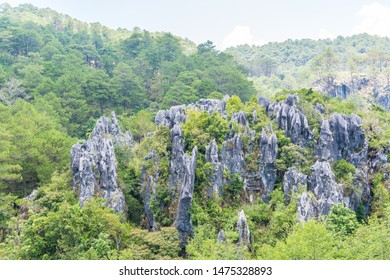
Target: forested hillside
{"x":118,"y":144}
{"x":359,"y":62}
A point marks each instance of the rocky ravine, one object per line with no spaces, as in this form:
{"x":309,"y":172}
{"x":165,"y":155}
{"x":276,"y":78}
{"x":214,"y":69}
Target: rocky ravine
{"x":341,"y":137}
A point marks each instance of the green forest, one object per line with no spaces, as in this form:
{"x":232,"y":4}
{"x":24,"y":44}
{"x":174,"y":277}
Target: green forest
{"x":227,"y":127}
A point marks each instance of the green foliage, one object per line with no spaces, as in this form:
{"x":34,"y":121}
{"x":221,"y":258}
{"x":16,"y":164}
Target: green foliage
{"x":201,"y":128}
{"x":344,"y":172}
{"x":139,"y":125}
{"x":36,"y":147}
{"x":232,"y":189}
{"x":158,"y":245}
{"x":234,"y":105}
{"x":204,"y":246}
{"x":308,"y":241}
{"x":341,"y":220}
{"x":294,"y":155}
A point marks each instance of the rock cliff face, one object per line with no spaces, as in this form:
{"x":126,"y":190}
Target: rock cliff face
{"x":325,"y":192}
{"x":148,"y":184}
{"x":93,"y":164}
{"x":183,"y":218}
{"x":176,"y":168}
{"x":233,"y":155}
{"x":291,"y":181}
{"x":216,"y":179}
{"x":244,"y":235}
{"x":290,"y":119}
{"x":342,"y":138}
{"x":269,"y":152}
{"x":168,"y":118}
{"x":210,"y":105}
{"x":341,"y":89}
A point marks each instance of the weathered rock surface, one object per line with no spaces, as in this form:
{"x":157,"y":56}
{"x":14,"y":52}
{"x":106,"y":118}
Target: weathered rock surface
{"x":211,"y":105}
{"x":244,"y":234}
{"x":291,"y":181}
{"x":290,"y":119}
{"x":221,"y":236}
{"x":241,"y":119}
{"x":176,"y":168}
{"x":175,"y":115}
{"x":342,"y":138}
{"x":307,"y":207}
{"x":377,"y":161}
{"x":93,"y":164}
{"x":341,"y":89}
{"x":216,"y":179}
{"x":269,"y":152}
{"x":31,"y":197}
{"x":360,"y":191}
{"x":232,"y":155}
{"x":183,"y":218}
{"x":322,"y":184}
{"x":148,"y":184}
{"x":384,"y":101}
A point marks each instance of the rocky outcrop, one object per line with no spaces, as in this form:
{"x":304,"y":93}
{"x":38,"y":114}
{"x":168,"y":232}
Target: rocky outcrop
{"x":232,"y":155}
{"x":307,"y":207}
{"x":216,"y":179}
{"x":241,"y":119}
{"x":211,"y":105}
{"x":183,"y":218}
{"x":323,"y":192}
{"x":341,"y":89}
{"x":290,"y":119}
{"x":244,"y":234}
{"x":32,"y":196}
{"x":148,"y":182}
{"x":175,"y":115}
{"x":342,"y":138}
{"x":291,"y":181}
{"x":93,"y":164}
{"x":359,"y":192}
{"x":269,"y":152}
{"x":377,"y":161}
{"x":384,"y":101}
{"x":149,"y":195}
{"x":176,"y":168}
{"x":221,"y":236}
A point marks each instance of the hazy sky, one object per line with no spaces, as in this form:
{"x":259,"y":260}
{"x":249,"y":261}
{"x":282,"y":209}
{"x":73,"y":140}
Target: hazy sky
{"x":232,"y":22}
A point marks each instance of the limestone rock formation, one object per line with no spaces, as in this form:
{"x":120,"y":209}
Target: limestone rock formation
{"x":269,"y":152}
{"x":291,"y":181}
{"x":342,"y":138}
{"x":169,"y":118}
{"x":148,"y":184}
{"x":216,"y":179}
{"x":322,"y":184}
{"x":244,"y":234}
{"x":183,"y":218}
{"x":176,"y":168}
{"x":290,"y":119}
{"x":241,"y":119}
{"x":221,"y":236}
{"x":210,"y":105}
{"x":307,"y":207}
{"x":232,"y":155}
{"x":93,"y":164}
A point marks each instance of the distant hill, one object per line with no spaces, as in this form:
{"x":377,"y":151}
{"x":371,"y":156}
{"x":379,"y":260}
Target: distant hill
{"x":316,"y":63}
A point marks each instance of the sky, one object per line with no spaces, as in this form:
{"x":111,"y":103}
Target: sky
{"x":233,"y":22}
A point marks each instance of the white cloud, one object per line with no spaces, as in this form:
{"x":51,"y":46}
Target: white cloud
{"x":375,"y":20}
{"x":325,"y":34}
{"x":240,"y":35}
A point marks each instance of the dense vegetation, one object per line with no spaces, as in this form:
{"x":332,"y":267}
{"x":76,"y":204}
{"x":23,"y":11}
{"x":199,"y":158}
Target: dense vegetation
{"x":305,"y":63}
{"x":59,"y":75}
